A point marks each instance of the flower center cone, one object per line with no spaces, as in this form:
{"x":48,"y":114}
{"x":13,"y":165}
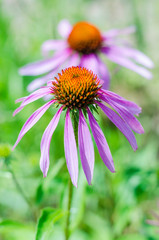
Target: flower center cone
{"x":84,"y":38}
{"x":76,"y":87}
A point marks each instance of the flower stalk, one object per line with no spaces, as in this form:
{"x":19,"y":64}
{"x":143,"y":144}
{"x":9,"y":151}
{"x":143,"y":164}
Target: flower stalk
{"x":20,"y":190}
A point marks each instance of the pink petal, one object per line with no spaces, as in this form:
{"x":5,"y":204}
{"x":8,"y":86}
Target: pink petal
{"x":117,"y":32}
{"x":32,"y":120}
{"x":38,"y":82}
{"x":20,"y":99}
{"x":136,"y":55}
{"x":73,"y":61}
{"x":131,"y":106}
{"x":125,"y":62}
{"x":90,"y":62}
{"x":103,"y":73}
{"x":101,"y":142}
{"x":32,"y":97}
{"x":86,"y":148}
{"x":64,"y":28}
{"x":71,"y":149}
{"x":93,"y":62}
{"x":153,"y":222}
{"x":120,"y":124}
{"x":133,"y":123}
{"x":50,"y":45}
{"x":45,"y":142}
{"x":46,"y":65}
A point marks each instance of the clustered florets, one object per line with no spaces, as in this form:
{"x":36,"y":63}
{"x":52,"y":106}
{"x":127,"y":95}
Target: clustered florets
{"x":76,"y":88}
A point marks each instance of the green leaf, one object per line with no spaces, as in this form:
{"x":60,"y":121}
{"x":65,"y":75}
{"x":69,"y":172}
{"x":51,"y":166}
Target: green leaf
{"x":14,"y":230}
{"x":46,"y":221}
{"x":10,"y":223}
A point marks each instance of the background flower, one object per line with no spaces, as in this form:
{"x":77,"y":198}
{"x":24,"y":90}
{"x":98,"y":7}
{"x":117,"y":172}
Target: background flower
{"x":82,"y":46}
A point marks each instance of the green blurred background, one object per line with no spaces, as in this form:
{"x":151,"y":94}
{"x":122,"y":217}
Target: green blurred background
{"x":116,"y":206}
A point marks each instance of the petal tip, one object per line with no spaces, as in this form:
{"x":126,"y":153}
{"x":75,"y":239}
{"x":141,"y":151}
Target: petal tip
{"x":44,"y":175}
{"x":75,"y":184}
{"x":89,"y":183}
{"x":21,"y":71}
{"x":135,"y":149}
{"x":13,"y":148}
{"x":142,"y":131}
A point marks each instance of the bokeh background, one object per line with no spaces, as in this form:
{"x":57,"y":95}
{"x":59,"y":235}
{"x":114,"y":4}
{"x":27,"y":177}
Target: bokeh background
{"x":116,"y":206}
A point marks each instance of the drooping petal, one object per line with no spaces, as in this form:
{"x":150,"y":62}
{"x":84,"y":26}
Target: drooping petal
{"x":20,"y":99}
{"x":46,"y":65}
{"x":133,"y":123}
{"x":90,"y":62}
{"x":131,"y":106}
{"x":103,"y":73}
{"x":120,"y":124}
{"x":136,"y":55}
{"x":73,"y":61}
{"x":86,"y":148}
{"x":32,"y":120}
{"x":101,"y":142}
{"x":50,"y":45}
{"x":125,"y":62}
{"x":45,"y":142}
{"x":117,"y":32}
{"x":93,"y":62}
{"x":33,"y":97}
{"x":71,"y":149}
{"x":64,"y":28}
{"x":153,"y":222}
{"x":38,"y":82}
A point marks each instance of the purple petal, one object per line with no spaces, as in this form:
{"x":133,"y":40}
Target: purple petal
{"x":101,"y":142}
{"x":93,"y":62}
{"x":90,"y":62}
{"x":103,"y":73}
{"x":50,"y":45}
{"x":131,"y":106}
{"x":133,"y":123}
{"x":46,"y":65}
{"x":136,"y":55}
{"x":20,"y":99}
{"x":153,"y":222}
{"x":73,"y":61}
{"x":38,"y":82}
{"x":125,"y":62}
{"x":120,"y":124}
{"x":86,"y":148}
{"x":71,"y":150}
{"x":45,"y":142}
{"x":116,"y":32}
{"x":32,"y":120}
{"x":32,"y":97}
{"x":64,"y":28}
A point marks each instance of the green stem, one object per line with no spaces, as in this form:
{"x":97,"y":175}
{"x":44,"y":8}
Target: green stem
{"x":70,"y":186}
{"x":20,"y":190}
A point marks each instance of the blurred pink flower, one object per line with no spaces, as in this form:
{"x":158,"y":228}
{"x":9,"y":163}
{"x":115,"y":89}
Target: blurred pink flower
{"x":155,"y":221}
{"x":82,"y":46}
{"x":78,"y":91}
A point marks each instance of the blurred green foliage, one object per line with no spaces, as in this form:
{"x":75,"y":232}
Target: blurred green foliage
{"x":116,"y":206}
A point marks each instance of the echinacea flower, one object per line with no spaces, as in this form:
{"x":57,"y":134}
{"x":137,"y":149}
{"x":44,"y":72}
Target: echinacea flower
{"x":82,"y":46}
{"x":77,"y":91}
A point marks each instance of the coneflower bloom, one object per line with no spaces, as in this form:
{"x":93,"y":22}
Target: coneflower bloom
{"x":82,"y":46}
{"x":77,"y":91}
